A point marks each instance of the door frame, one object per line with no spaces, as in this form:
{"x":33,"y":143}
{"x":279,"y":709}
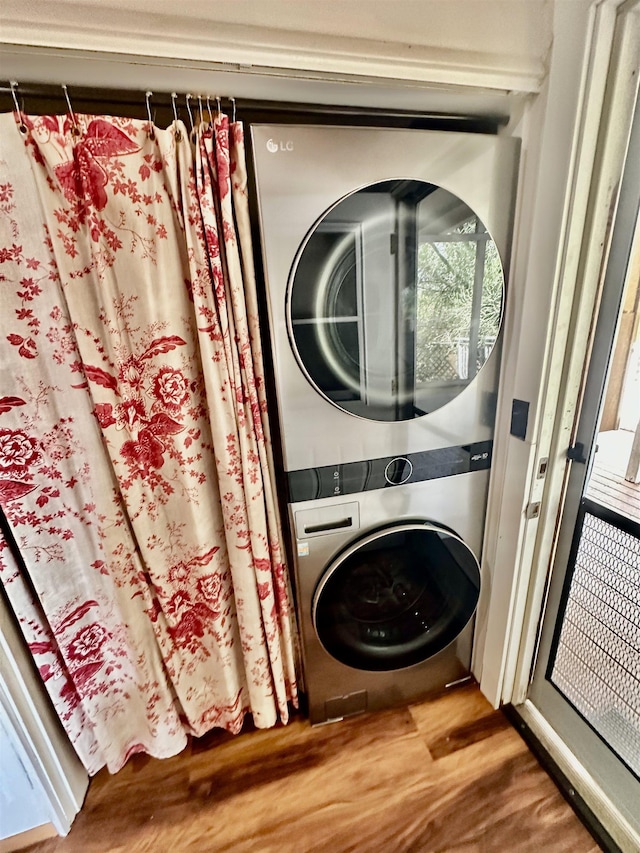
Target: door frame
{"x":581,"y":291}
{"x":600,"y":137}
{"x":606,"y":769}
{"x":608,"y":97}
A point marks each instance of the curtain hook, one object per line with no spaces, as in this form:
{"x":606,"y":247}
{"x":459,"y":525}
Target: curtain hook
{"x":74,"y":129}
{"x":200,"y":109}
{"x":174,"y":98}
{"x":187,"y":98}
{"x":219,"y":107}
{"x":209,"y":108}
{"x":22,"y":126}
{"x":147,"y":97}
{"x":233,"y":110}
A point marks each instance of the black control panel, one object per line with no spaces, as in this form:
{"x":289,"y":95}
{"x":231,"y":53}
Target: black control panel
{"x":387,"y":472}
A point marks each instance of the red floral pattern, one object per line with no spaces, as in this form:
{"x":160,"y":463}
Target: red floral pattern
{"x":88,"y":642}
{"x":153,"y":549}
{"x":170,"y":388}
{"x":17,"y":452}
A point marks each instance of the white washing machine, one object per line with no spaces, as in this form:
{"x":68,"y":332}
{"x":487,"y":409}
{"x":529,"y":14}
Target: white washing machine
{"x":385,"y":256}
{"x":386,"y":592}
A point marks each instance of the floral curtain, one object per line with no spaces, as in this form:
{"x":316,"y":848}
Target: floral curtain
{"x":135,"y":468}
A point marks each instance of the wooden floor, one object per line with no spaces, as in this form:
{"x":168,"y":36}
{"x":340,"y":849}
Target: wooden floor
{"x":607,"y":485}
{"x":450,"y":775}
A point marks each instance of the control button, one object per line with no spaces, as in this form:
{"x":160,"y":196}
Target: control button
{"x":398,"y":471}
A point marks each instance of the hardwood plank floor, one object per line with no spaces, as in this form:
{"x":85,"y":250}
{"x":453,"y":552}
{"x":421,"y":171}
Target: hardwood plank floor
{"x":449,"y":775}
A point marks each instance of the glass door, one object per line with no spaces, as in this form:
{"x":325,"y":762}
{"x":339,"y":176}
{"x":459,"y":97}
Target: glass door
{"x":586,"y":682}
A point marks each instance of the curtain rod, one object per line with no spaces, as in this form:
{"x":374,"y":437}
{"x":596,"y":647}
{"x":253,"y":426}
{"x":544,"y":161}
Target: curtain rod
{"x":251,"y":109}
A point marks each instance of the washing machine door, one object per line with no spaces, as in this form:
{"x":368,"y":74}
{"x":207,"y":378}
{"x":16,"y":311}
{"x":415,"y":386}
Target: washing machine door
{"x":396,"y":597}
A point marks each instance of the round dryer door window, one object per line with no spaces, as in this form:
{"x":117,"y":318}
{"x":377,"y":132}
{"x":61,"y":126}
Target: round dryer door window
{"x":396,"y":597}
{"x":395,"y":300}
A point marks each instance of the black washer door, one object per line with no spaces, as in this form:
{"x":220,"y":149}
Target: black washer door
{"x":396,"y":597}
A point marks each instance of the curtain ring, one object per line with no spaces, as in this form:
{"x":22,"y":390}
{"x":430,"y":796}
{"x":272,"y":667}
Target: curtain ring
{"x":147,"y":97}
{"x":22,"y":127}
{"x":174,"y":97}
{"x":75,"y":130}
{"x":233,"y":110}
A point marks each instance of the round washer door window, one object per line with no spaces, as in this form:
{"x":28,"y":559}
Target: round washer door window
{"x":395,"y":300}
{"x":396,"y":597}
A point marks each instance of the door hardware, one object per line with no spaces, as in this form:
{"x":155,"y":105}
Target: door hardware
{"x":576,"y":453}
{"x":533,"y":510}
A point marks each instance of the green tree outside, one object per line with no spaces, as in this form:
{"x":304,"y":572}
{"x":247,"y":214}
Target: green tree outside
{"x":445,"y":279}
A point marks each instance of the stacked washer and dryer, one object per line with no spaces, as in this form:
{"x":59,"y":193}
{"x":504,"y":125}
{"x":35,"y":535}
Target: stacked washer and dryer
{"x":385,"y":255}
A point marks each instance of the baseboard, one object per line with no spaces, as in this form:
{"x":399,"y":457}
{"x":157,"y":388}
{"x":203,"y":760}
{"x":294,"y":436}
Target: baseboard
{"x":28,"y":837}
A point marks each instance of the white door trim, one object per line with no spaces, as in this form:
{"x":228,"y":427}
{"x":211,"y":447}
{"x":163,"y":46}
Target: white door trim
{"x":55,"y":763}
{"x":607,"y":96}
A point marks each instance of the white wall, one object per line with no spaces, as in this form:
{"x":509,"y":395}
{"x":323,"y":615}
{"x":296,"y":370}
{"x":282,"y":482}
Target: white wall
{"x":548,"y":129}
{"x":59,"y":781}
{"x":493,"y":43}
{"x":23,"y":803}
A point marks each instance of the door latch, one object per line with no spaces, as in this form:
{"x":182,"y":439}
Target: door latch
{"x":576,"y":453}
{"x":533,"y":510}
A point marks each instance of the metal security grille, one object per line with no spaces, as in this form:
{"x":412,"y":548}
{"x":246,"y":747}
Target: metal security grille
{"x":597,"y":653}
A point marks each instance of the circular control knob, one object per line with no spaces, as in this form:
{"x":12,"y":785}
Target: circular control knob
{"x":398,"y":471}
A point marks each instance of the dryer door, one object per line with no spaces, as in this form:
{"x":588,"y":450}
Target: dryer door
{"x":396,"y":597}
{"x":395,"y":300}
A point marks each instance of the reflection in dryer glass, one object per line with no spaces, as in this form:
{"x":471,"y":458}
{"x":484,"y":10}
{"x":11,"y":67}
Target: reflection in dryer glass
{"x":395,"y":301}
{"x":397,"y":600}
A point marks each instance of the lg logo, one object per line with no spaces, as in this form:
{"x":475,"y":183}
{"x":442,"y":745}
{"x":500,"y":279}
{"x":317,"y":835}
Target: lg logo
{"x":274,"y":146}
